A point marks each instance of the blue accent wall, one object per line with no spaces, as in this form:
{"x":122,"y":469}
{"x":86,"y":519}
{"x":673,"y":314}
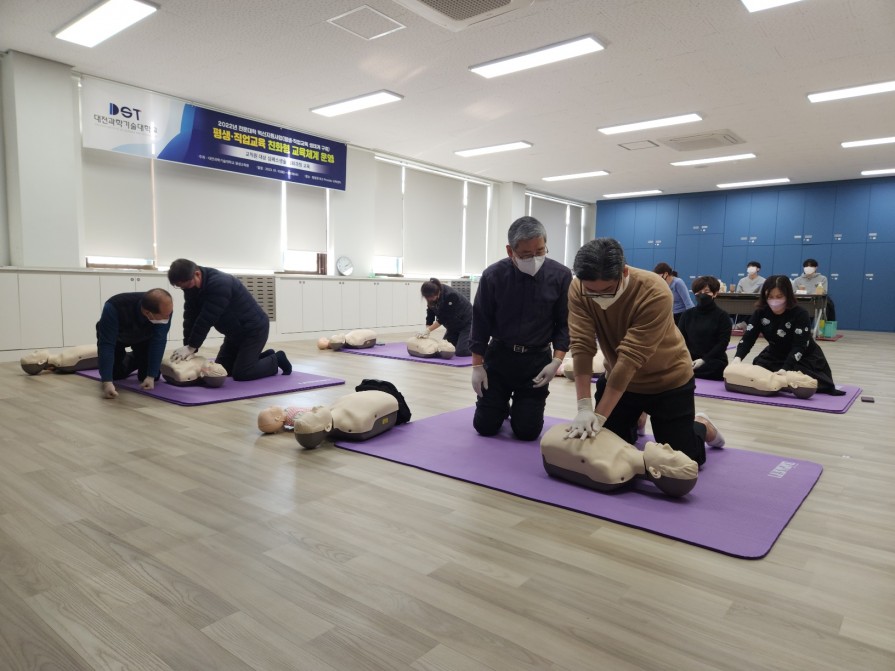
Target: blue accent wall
{"x":849,"y":227}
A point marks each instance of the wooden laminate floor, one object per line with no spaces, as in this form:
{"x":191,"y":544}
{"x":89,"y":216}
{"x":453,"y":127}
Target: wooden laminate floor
{"x":140,"y":535}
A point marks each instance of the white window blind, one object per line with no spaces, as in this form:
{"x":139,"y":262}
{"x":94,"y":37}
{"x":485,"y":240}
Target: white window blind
{"x":117,"y":205}
{"x":216,"y":218}
{"x":433,"y":224}
{"x":553,"y":216}
{"x":389,"y":211}
{"x":476,"y":228}
{"x":305,"y":218}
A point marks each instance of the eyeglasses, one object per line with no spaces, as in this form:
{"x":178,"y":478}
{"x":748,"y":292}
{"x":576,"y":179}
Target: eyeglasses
{"x":537,"y":254}
{"x":591,"y":294}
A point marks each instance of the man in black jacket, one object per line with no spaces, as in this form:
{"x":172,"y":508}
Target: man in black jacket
{"x":137,"y":320}
{"x":216,"y":299}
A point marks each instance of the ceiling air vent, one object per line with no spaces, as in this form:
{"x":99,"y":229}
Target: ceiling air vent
{"x":459,"y":14}
{"x":714,"y":139}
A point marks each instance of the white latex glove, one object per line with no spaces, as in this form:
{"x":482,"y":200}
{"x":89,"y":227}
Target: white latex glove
{"x":109,"y":390}
{"x":737,"y":359}
{"x":547,"y":373}
{"x":183,"y":353}
{"x":697,"y":363}
{"x":479,"y":380}
{"x":148,"y":383}
{"x":587,"y":423}
{"x":423,"y":334}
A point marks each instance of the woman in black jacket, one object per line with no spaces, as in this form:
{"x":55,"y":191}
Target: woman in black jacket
{"x":787,"y":328}
{"x":449,"y":309}
{"x":706,"y":330}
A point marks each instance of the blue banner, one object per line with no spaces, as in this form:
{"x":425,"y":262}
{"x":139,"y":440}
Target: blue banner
{"x":121,"y":118}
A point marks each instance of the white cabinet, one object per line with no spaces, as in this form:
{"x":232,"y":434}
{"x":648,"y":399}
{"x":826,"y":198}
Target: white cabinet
{"x":407,"y":304}
{"x":341,"y":305}
{"x":81,"y":308}
{"x":10,"y":337}
{"x":299,"y":305}
{"x":351,"y":305}
{"x":40,"y":310}
{"x":375,"y":309}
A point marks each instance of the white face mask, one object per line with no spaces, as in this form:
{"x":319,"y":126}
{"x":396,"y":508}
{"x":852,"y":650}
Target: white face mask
{"x":776,"y":303}
{"x":529,"y":266}
{"x":751,"y":270}
{"x":809,"y":270}
{"x":605,"y":301}
{"x":159,"y":321}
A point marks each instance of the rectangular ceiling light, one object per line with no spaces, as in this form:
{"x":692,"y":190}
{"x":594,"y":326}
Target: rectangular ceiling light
{"x":105,"y":20}
{"x":758,"y":5}
{"x":511,"y":146}
{"x":883,"y":171}
{"x":868,"y":143}
{"x":853,"y":92}
{"x":656,"y":123}
{"x":718,"y":159}
{"x":632,"y":194}
{"x":543,"y":56}
{"x":759,"y":182}
{"x":580,"y":175}
{"x":359,"y":103}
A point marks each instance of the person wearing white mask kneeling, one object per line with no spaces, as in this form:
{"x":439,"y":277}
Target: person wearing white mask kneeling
{"x":139,"y":321}
{"x":648,"y":368}
{"x":787,"y":328}
{"x":519,"y":333}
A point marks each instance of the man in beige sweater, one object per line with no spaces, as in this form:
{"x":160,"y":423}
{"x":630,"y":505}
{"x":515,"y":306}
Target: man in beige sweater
{"x":648,"y":369}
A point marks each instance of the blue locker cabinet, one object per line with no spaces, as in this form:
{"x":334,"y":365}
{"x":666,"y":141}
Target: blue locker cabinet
{"x":666,"y":223}
{"x":846,"y":278}
{"x":708,"y":261}
{"x":852,"y":211}
{"x":790,"y":217}
{"x":605,"y":219}
{"x":878,"y":291}
{"x":687,"y":257}
{"x":820,"y":208}
{"x":645,"y":223}
{"x":689,"y":218}
{"x":881,"y":215}
{"x":763,"y":217}
{"x":624,"y":224}
{"x":736,"y":219}
{"x":787,"y":261}
{"x":711,"y":215}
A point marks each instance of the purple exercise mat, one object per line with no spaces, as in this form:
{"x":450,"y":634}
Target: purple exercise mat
{"x":742,"y":501}
{"x":398,"y":350}
{"x":819,"y":402}
{"x":229,"y":391}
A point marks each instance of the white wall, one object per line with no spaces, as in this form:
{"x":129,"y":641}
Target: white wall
{"x":214,"y":217}
{"x":43,"y":162}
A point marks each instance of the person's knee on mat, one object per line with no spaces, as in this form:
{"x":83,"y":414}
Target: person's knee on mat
{"x":487,"y":425}
{"x":527,"y":432}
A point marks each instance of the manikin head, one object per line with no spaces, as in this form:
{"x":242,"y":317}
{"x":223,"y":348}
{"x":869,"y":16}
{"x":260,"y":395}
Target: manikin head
{"x":313,"y":427}
{"x":272,"y":419}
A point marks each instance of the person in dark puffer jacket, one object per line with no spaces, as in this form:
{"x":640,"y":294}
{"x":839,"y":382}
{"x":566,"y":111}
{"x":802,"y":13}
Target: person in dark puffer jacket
{"x":216,"y":299}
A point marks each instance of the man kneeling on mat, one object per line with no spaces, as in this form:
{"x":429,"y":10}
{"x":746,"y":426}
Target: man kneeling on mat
{"x":606,"y":462}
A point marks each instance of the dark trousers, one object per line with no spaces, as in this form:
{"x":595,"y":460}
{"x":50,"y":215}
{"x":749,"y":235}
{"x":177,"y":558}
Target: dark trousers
{"x":460,"y":340}
{"x":510,"y":378}
{"x":126,"y":362}
{"x":671,"y":413}
{"x":240,"y":355}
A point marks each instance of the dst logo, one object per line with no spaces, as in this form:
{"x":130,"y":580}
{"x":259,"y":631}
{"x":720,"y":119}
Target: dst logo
{"x":126,"y":112}
{"x":782,"y":469}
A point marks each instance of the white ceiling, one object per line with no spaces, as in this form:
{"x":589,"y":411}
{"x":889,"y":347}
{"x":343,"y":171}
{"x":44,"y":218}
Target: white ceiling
{"x":273,"y":60}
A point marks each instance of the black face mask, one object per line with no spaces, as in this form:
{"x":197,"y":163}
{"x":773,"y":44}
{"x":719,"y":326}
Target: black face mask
{"x":704,"y":300}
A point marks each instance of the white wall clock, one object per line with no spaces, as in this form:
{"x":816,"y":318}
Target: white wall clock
{"x":344,"y":265}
